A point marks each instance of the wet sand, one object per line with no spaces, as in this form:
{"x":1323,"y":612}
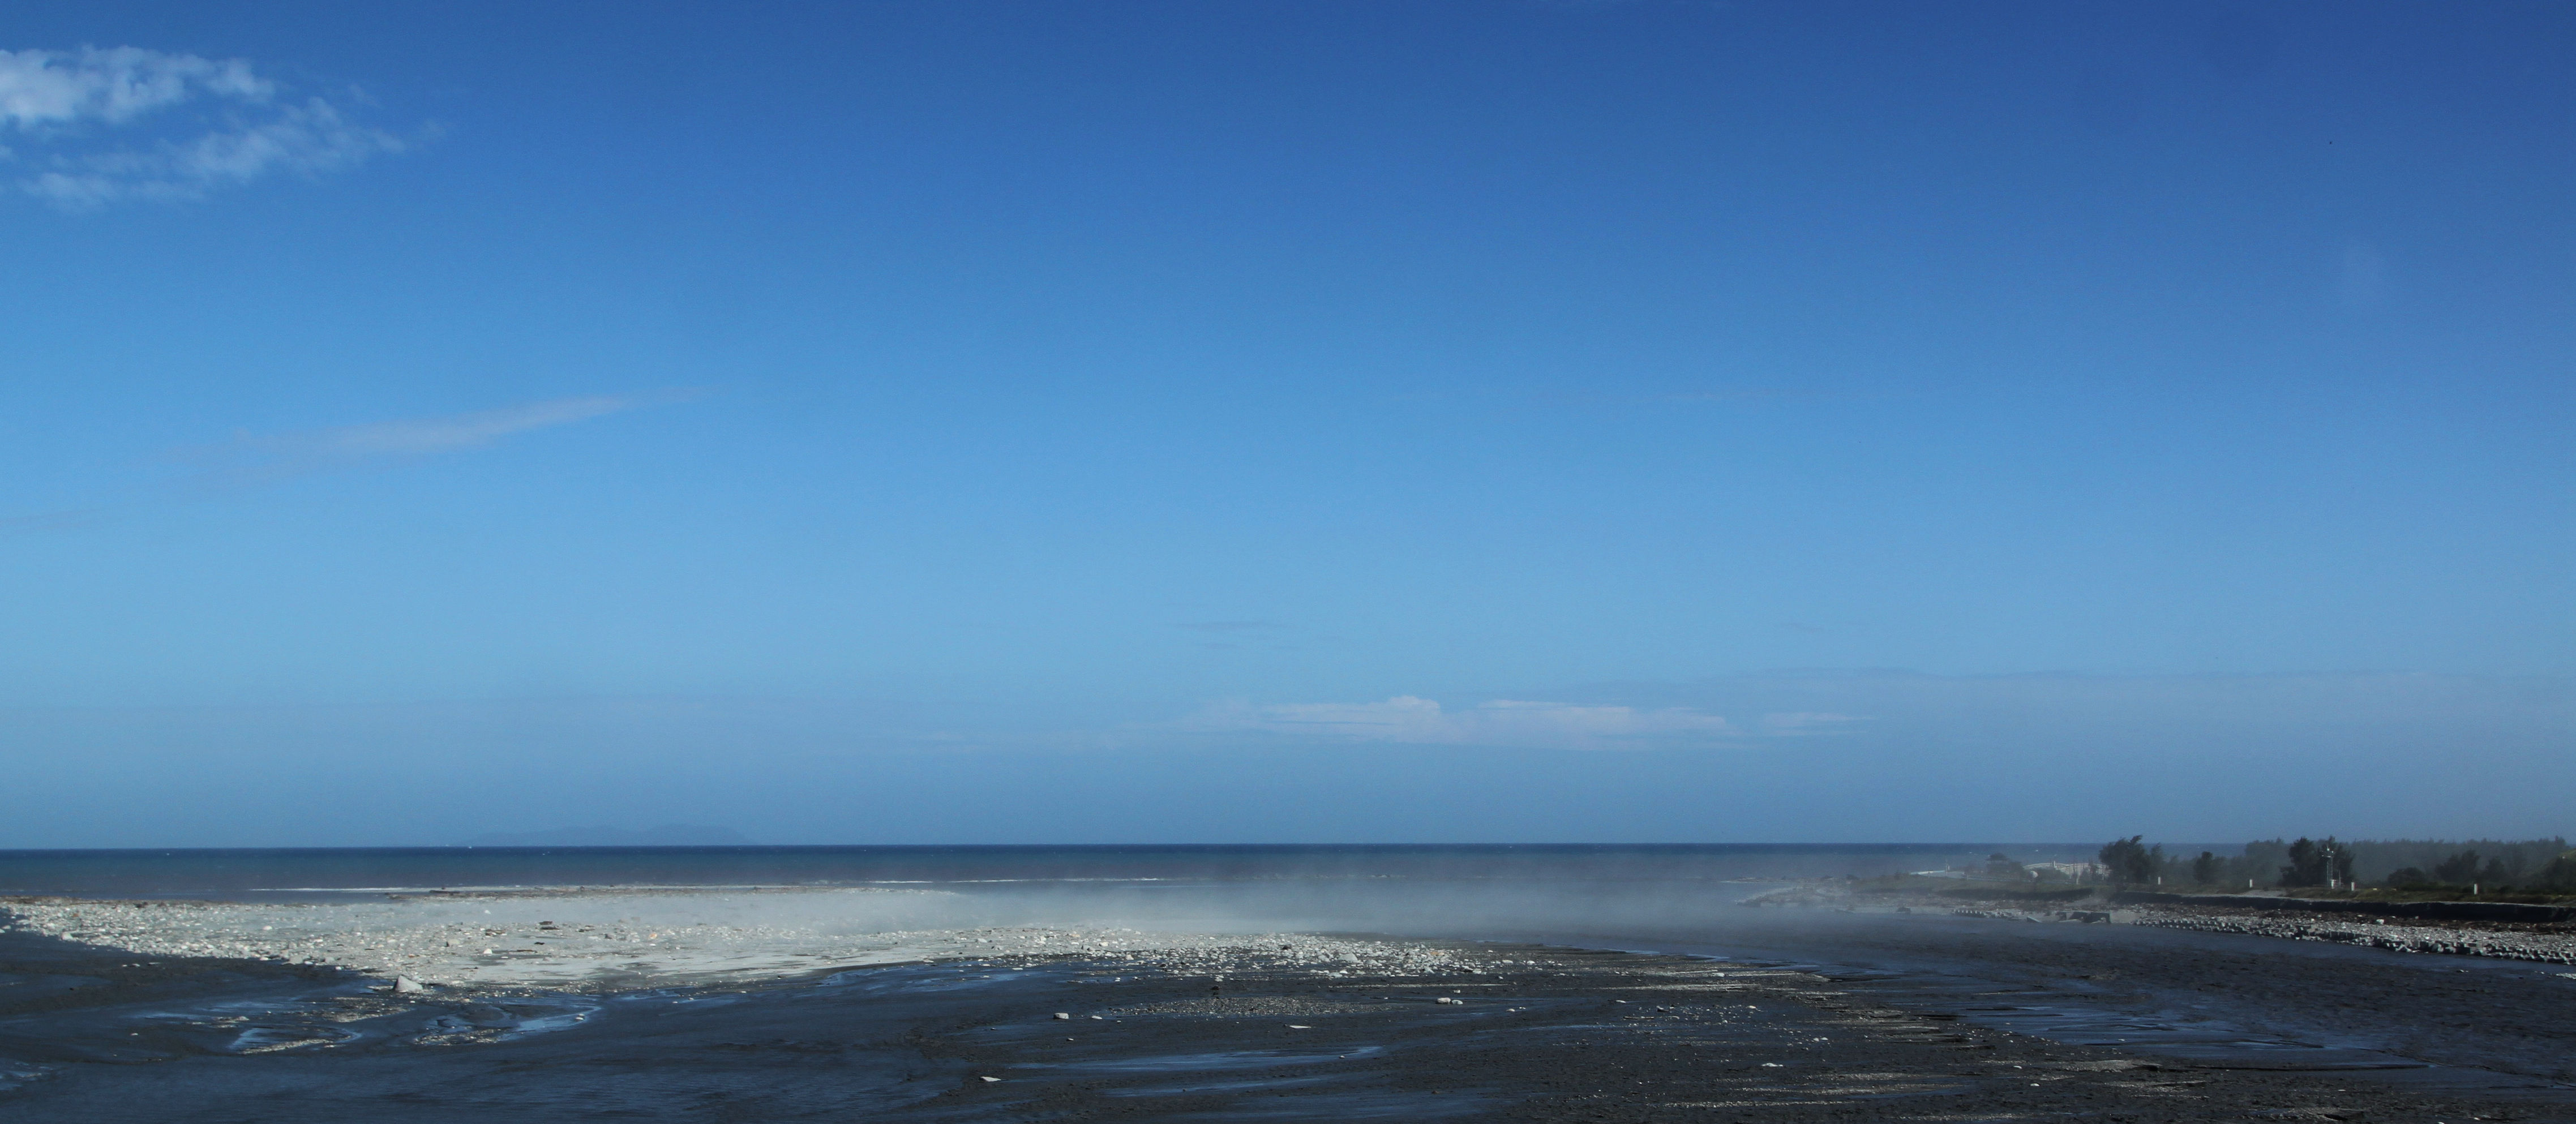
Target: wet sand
{"x":2501,"y":1003}
{"x":1531,"y":1033}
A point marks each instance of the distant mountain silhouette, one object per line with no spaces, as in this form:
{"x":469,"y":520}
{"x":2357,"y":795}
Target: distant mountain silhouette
{"x":667,"y":835}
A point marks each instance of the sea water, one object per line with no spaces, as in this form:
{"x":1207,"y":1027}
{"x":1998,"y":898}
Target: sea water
{"x":284,"y":873}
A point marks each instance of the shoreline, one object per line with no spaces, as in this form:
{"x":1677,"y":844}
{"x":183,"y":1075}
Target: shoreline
{"x":1503,"y":1032}
{"x":1767,"y":1014}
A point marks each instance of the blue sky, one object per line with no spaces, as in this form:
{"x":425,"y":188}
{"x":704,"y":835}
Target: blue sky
{"x":874,"y":423}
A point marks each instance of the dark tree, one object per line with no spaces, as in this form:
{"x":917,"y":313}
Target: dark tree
{"x":2311,"y":862}
{"x":2459,"y":870}
{"x":2408,"y":876}
{"x":2204,"y":870}
{"x":2560,"y":874}
{"x":2128,"y":860}
{"x":2001,"y":865}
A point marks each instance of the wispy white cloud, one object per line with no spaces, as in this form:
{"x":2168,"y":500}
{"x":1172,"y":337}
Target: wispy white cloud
{"x":418,"y":436}
{"x":104,"y":125}
{"x":250,"y":460}
{"x":1501,"y":722}
{"x":257,"y":458}
{"x":1791,"y":723}
{"x":114,"y":85}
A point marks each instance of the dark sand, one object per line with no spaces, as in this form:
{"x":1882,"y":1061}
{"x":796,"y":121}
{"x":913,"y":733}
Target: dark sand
{"x":1545,"y":1033}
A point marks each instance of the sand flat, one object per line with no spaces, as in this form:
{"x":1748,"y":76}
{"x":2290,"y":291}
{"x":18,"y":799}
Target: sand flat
{"x":605,"y":939}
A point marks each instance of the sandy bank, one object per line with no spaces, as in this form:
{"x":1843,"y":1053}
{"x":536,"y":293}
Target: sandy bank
{"x":607,"y":940}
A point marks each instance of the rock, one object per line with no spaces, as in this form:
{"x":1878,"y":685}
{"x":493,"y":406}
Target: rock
{"x":405,"y":985}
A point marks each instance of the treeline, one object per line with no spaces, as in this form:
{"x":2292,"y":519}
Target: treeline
{"x":2489,"y":865}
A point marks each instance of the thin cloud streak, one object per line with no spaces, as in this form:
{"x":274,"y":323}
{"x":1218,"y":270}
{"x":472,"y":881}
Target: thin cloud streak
{"x":249,"y":460}
{"x":413,"y":437}
{"x":267,"y":458}
{"x":1411,"y":720}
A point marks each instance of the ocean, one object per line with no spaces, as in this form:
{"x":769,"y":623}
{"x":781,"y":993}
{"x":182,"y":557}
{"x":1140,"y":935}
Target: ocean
{"x":267,"y":873}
